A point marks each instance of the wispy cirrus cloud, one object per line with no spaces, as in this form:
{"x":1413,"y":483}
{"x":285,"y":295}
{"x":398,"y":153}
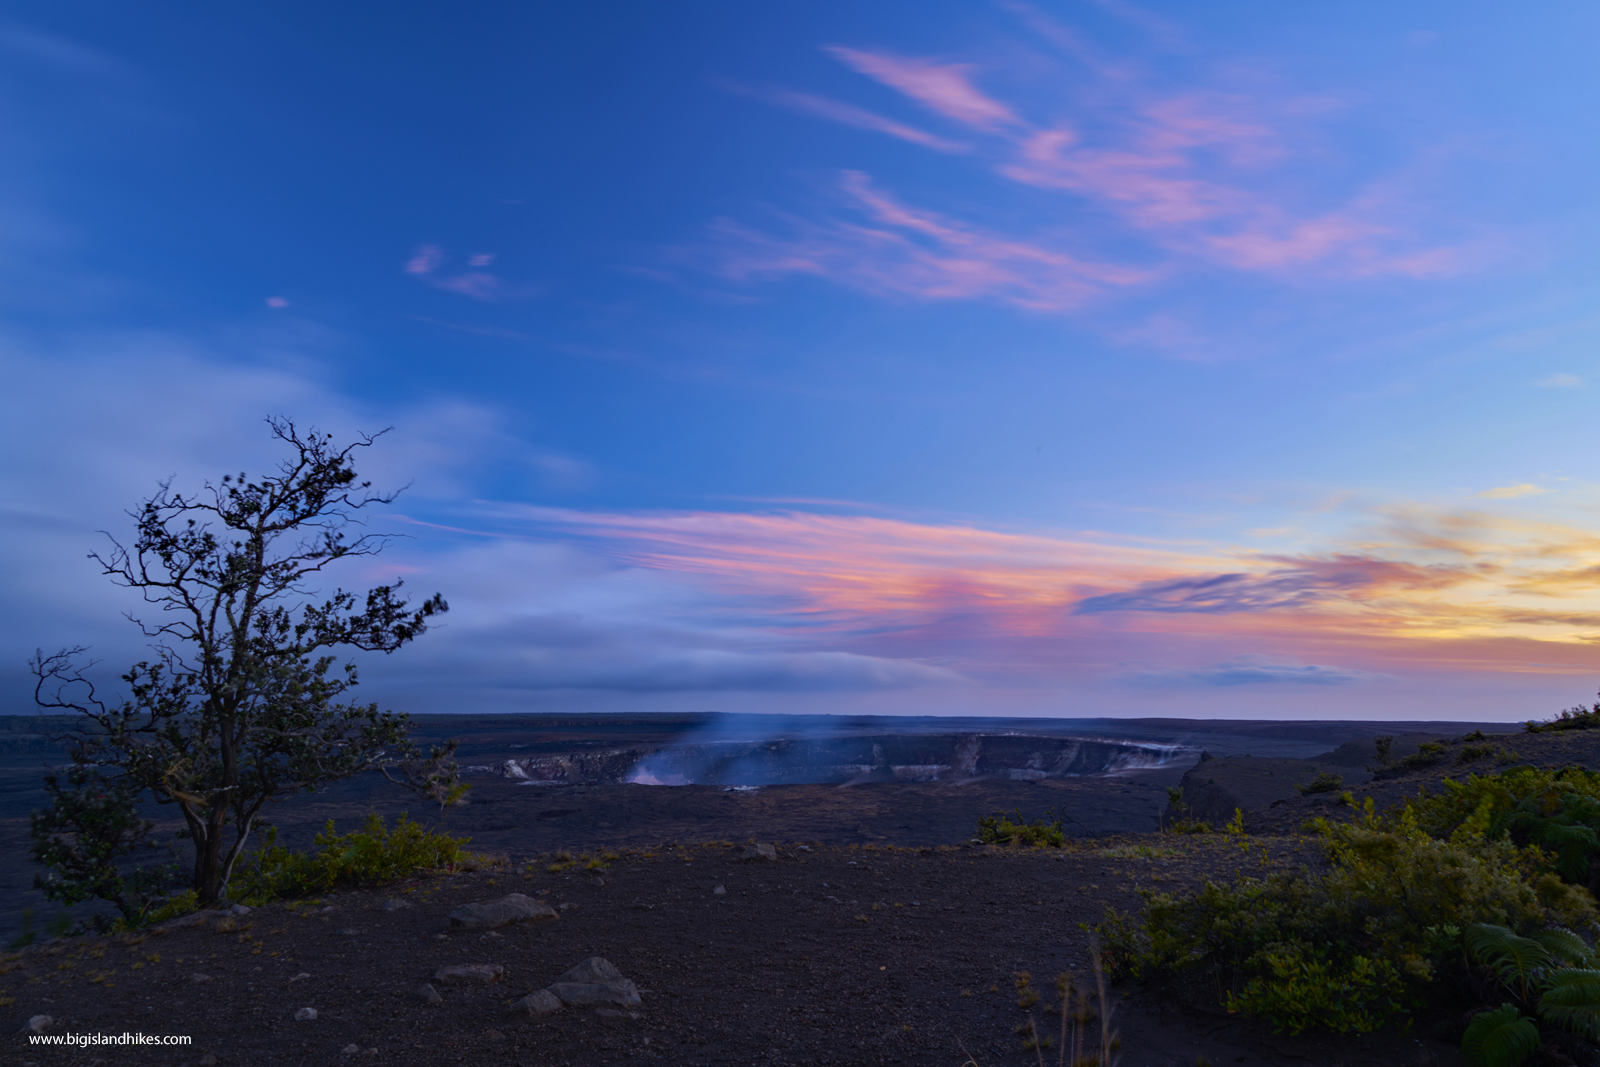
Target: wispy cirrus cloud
{"x":1207,"y":174}
{"x":1511,"y":492}
{"x":1299,"y":583}
{"x":1252,"y":670}
{"x":1412,"y":590}
{"x":903,"y":251}
{"x":942,"y":87}
{"x":847,"y":115}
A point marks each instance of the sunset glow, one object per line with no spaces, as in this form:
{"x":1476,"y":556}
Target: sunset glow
{"x":1023,"y":358}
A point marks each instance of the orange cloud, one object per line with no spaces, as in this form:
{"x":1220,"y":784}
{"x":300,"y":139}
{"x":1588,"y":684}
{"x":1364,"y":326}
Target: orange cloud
{"x":1428,"y":595}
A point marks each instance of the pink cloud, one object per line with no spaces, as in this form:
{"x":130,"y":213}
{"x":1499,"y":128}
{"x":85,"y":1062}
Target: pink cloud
{"x":908,"y":252}
{"x":860,"y":118}
{"x":953,"y":593}
{"x":426,"y":261}
{"x":941,"y":87}
{"x":1203,"y":176}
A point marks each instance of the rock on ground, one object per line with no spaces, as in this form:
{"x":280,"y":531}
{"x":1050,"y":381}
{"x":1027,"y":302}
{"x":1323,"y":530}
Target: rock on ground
{"x":595,"y":981}
{"x":759,"y":852}
{"x":539,"y":1002}
{"x":593,"y":969}
{"x":429,"y":994}
{"x":512,"y":908}
{"x":470,"y":972}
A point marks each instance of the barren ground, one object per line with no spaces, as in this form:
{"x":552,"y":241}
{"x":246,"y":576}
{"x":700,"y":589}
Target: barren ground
{"x":887,"y":938}
{"x":832,"y":955}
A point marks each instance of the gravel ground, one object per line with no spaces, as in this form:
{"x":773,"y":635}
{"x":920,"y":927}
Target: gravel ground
{"x":843,"y":955}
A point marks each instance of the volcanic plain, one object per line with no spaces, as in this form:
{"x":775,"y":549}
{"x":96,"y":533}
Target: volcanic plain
{"x":881,"y":933}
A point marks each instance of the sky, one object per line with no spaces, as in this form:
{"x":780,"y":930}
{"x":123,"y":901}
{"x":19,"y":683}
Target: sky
{"x":1075,"y":358}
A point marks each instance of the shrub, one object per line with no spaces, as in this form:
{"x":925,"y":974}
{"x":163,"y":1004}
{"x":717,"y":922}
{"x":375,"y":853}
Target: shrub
{"x":1428,"y":754}
{"x":1578,"y":718}
{"x":1358,"y":946}
{"x":372,"y":855}
{"x":1322,"y":783}
{"x":1182,"y":823}
{"x":997,"y":829}
{"x":1557,"y":811}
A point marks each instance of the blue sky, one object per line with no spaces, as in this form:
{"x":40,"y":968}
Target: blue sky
{"x":1067,"y":359}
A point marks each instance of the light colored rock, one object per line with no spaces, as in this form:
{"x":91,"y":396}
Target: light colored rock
{"x":512,"y":908}
{"x":305,"y":1015}
{"x":470,"y":972}
{"x":759,"y":852}
{"x":720,"y":891}
{"x":350,"y":931}
{"x":429,"y":994}
{"x":350,"y":1049}
{"x":621,"y":991}
{"x":595,"y":981}
{"x":539,"y":1002}
{"x":38,"y":1024}
{"x":395,"y":904}
{"x":198,"y":977}
{"x":302,"y":976}
{"x":240,"y":909}
{"x":593,"y":969}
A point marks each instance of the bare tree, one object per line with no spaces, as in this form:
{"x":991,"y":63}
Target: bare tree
{"x":243,"y":703}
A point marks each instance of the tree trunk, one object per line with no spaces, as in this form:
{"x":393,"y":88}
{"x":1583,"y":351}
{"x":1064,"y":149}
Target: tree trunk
{"x":208,"y":865}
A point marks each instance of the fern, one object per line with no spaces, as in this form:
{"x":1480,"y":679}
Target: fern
{"x":1572,"y":1000}
{"x":1514,"y":959}
{"x":1503,"y":1037}
{"x":1565,"y":946}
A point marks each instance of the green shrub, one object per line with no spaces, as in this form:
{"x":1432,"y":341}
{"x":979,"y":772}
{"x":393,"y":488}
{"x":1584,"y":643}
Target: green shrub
{"x":1428,"y":754}
{"x":1301,"y":987}
{"x":1181,"y":822}
{"x":373,"y":855}
{"x":1557,"y":811}
{"x":997,"y":829}
{"x":1578,"y":718}
{"x":1355,"y":947}
{"x":1322,"y":783}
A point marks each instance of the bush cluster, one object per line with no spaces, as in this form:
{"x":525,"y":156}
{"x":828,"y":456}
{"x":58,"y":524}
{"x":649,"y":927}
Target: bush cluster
{"x":1578,"y":718}
{"x":1383,"y":930}
{"x":998,"y":829}
{"x":1326,"y":782}
{"x":373,"y":855}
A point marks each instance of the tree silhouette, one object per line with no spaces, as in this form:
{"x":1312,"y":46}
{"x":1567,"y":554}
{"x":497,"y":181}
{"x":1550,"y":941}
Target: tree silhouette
{"x":243,"y":703}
